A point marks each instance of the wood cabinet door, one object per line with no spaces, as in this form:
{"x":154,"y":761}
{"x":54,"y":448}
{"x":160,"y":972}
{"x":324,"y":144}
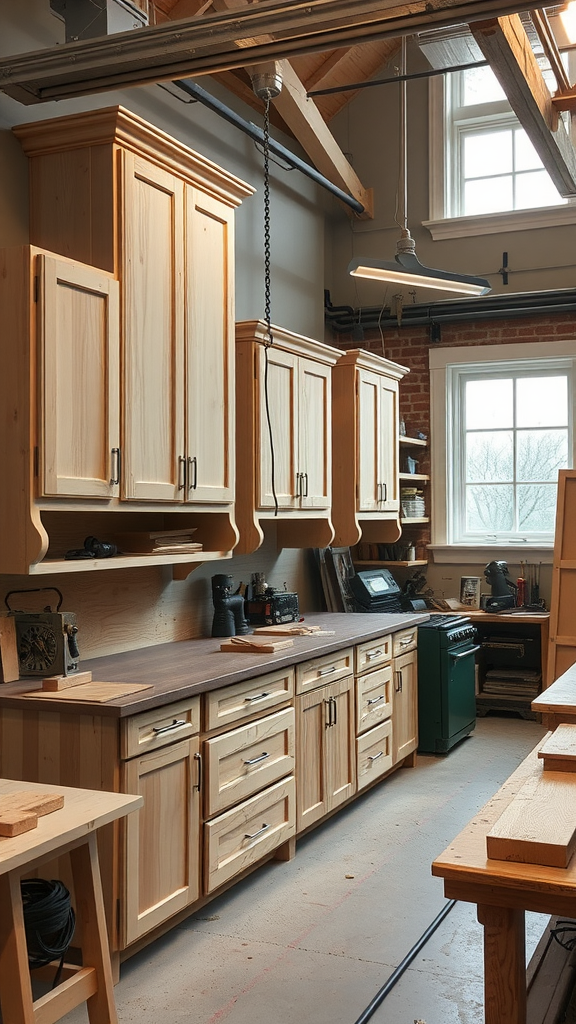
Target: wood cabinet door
{"x":210,"y":389}
{"x":162,"y":841}
{"x":369,"y":470}
{"x":405,"y":706}
{"x":314,"y":434}
{"x":388,"y":445}
{"x":341,"y":743}
{"x":277,"y":381}
{"x":78,"y":319}
{"x":325,"y":750}
{"x":153,"y":331}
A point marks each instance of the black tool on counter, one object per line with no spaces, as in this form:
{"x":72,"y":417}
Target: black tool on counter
{"x":504,"y":589}
{"x":228,"y":608}
{"x":46,"y":640}
{"x":270,"y":607}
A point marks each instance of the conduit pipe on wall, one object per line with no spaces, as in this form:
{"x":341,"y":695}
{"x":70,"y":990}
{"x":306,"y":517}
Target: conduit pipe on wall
{"x":255,"y":133}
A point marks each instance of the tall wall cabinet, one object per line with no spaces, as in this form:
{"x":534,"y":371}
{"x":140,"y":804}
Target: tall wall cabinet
{"x":116,"y":194}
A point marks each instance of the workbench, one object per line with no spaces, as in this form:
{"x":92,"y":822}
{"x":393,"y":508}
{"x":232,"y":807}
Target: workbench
{"x":72,"y":830}
{"x":503,"y":892}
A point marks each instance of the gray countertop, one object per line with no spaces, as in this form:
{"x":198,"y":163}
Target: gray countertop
{"x":186,"y":667}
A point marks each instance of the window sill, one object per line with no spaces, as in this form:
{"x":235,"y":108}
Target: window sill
{"x":496,"y":223}
{"x":480,"y":554}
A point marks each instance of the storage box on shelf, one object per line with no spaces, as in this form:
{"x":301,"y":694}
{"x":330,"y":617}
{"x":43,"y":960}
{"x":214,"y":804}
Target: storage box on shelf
{"x":109,"y":191}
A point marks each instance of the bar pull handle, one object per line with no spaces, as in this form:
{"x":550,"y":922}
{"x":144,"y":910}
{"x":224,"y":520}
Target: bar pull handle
{"x":256,"y":760}
{"x":335,"y":706}
{"x":326,"y":671}
{"x":177,"y":723}
{"x":374,"y":757}
{"x":464,"y":654}
{"x":198,"y":758}
{"x":376,"y":700}
{"x":328,"y":703}
{"x":405,"y":640}
{"x":374,"y":654}
{"x":258,"y":833}
{"x":192,"y":473}
{"x":305,"y":477}
{"x":384,"y":487}
{"x":181,"y":472}
{"x":398,"y":687}
{"x":115,"y":464}
{"x":258,"y":696}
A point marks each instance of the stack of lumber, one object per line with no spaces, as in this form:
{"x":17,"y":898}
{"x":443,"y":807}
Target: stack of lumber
{"x":19,"y":811}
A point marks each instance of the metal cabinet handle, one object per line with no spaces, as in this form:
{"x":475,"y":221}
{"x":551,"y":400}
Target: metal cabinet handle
{"x":198,"y":758}
{"x":464,"y":654}
{"x":374,"y":654}
{"x":398,"y":688}
{"x":384,"y":487}
{"x":177,"y":723}
{"x":298,"y":485}
{"x":305,"y":477}
{"x":405,"y":640}
{"x":258,"y":833}
{"x":255,"y":760}
{"x":258,"y":696}
{"x":328,"y":703}
{"x":375,"y":700}
{"x":335,"y":706}
{"x":192,"y":473}
{"x":374,"y":757}
{"x":115,"y":463}
{"x":326,"y":671}
{"x":181,"y":472}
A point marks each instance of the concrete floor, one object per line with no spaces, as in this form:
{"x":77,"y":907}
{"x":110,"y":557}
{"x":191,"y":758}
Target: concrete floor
{"x":315,"y":939}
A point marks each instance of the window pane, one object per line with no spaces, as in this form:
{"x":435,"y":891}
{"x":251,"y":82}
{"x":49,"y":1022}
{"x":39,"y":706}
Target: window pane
{"x":534,"y":189}
{"x":542,"y":401}
{"x":490,"y":456}
{"x":526,"y":157}
{"x":481,"y":86}
{"x":489,"y":403}
{"x":541,"y":453}
{"x":487,"y":153}
{"x":489,"y":195}
{"x":489,"y":509}
{"x":537,"y":507}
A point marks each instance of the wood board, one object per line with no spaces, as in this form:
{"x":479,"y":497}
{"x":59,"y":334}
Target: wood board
{"x":558,"y":752}
{"x":9,"y":664}
{"x":19,"y":812}
{"x":249,"y":646}
{"x":54,"y":683}
{"x":539,"y":824}
{"x":90,"y":693}
{"x":293,"y":629}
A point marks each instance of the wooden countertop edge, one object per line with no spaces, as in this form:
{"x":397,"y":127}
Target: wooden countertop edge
{"x":188,"y":663}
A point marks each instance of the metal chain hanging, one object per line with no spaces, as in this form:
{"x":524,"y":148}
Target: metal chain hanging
{"x":267,"y":291}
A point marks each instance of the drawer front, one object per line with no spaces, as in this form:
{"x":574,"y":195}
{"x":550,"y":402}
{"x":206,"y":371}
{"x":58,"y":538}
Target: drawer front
{"x":153,"y":729}
{"x":242,"y":761}
{"x":231,"y":704}
{"x":404,"y":641}
{"x":311,"y":674}
{"x":373,"y":653}
{"x":374,"y":753}
{"x":241,"y":837}
{"x":373,"y":698}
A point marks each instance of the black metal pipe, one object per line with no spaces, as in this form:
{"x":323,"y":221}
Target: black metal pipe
{"x":430,"y":73}
{"x":397,"y":974}
{"x":255,"y":133}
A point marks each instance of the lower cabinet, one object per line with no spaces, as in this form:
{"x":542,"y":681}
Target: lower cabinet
{"x":325,"y":750}
{"x":374,"y":754}
{"x":405,"y":698}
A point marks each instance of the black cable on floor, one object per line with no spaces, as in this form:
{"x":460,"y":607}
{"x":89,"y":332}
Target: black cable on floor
{"x":397,"y":974}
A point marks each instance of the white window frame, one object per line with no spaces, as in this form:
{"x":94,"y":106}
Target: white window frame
{"x":444,"y":365}
{"x":441,"y":173}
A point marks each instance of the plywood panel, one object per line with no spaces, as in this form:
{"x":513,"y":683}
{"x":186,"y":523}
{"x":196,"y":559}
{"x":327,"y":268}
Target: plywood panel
{"x":539,"y":824}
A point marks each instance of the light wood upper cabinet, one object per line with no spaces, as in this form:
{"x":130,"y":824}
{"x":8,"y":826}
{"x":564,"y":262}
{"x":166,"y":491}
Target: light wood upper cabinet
{"x":284,"y":436}
{"x":78,"y":363}
{"x":365,"y":444}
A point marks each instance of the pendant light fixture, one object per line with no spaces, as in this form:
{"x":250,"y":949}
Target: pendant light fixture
{"x":406,"y":268}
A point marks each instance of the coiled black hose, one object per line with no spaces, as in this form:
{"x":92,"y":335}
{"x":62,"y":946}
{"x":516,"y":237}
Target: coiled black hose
{"x":49,"y":922}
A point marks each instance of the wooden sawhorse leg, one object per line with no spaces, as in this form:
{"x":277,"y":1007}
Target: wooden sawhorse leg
{"x":504,"y":964}
{"x":91,"y":983}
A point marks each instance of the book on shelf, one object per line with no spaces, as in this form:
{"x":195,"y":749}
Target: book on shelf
{"x":158,"y":541}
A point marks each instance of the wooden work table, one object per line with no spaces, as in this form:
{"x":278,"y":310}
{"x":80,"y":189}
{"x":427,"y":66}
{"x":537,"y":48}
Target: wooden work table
{"x":187,"y":667}
{"x":558,"y":703}
{"x":503,"y":891}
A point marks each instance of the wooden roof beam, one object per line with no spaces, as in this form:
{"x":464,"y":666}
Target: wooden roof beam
{"x":506,"y":47}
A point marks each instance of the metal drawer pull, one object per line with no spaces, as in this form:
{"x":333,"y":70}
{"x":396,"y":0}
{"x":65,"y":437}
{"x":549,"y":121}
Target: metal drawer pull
{"x":405,"y":640}
{"x":374,"y":654}
{"x":258,"y":833}
{"x":255,"y":760}
{"x":399,"y":681}
{"x":375,"y":700}
{"x":465,"y":654}
{"x":374,"y":757}
{"x":198,"y":786}
{"x":176,"y":724}
{"x":116,"y":462}
{"x":328,"y":703}
{"x":181,"y":472}
{"x":258,"y":696}
{"x":326,"y":671}
{"x":335,"y":705}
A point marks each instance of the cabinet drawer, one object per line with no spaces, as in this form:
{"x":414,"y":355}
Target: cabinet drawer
{"x":374,"y":753}
{"x":327,"y":669}
{"x":242,"y":836}
{"x":373,"y":698}
{"x":242,"y":761}
{"x":234,"y":703}
{"x":373,"y":653}
{"x":153,"y":729}
{"x":404,"y":641}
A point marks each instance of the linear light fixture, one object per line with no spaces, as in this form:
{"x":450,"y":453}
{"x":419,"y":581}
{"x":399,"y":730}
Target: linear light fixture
{"x":406,"y":268}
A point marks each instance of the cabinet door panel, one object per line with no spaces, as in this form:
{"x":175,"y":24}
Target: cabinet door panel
{"x":78,"y":321}
{"x":162,"y":850}
{"x":281,"y":374}
{"x":311,"y":727}
{"x":388,"y":445}
{"x":315,"y":441}
{"x":405,"y":706}
{"x":209,"y":348}
{"x":153,"y":332}
{"x":340,"y":745}
{"x":368,"y":453}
